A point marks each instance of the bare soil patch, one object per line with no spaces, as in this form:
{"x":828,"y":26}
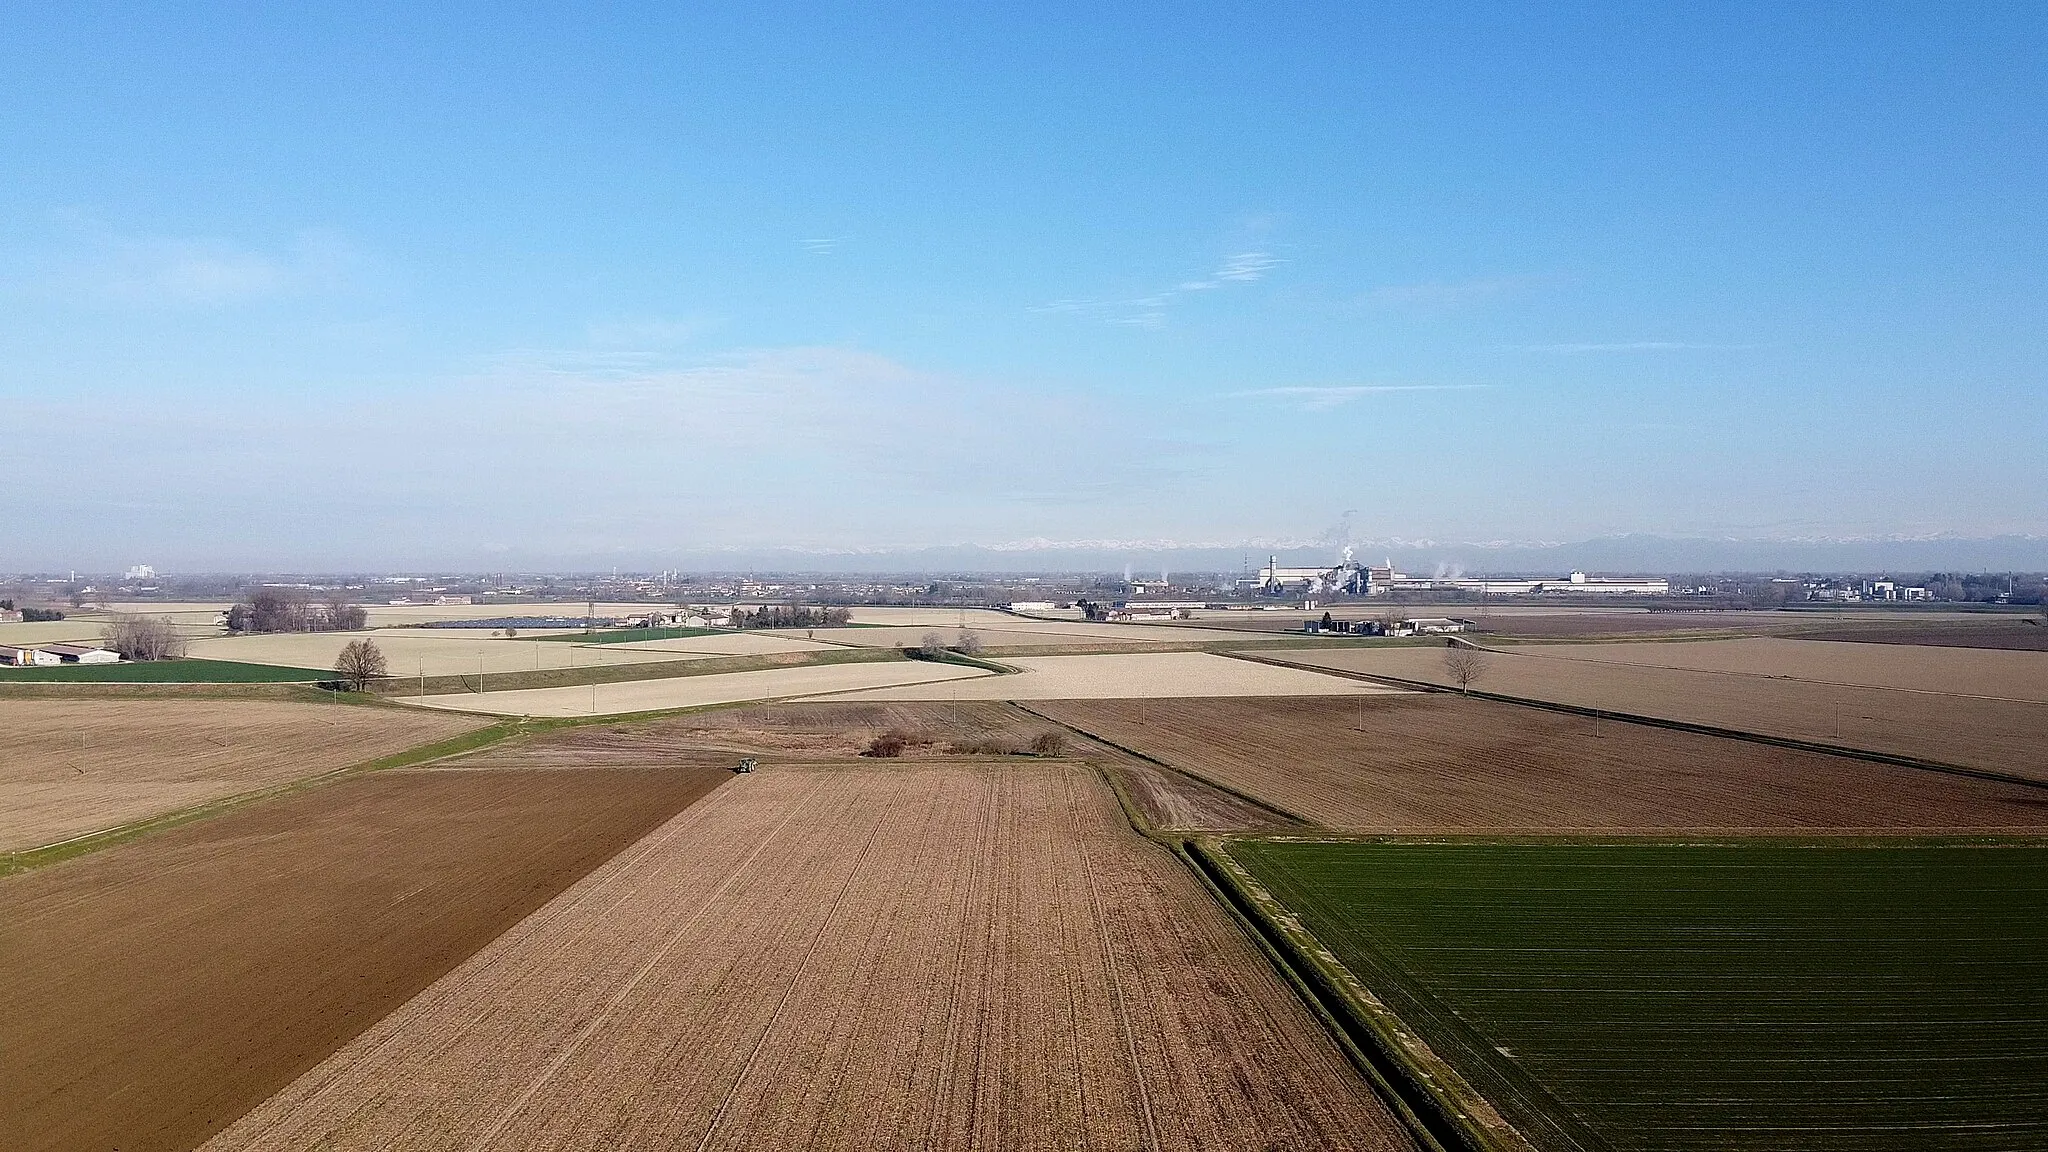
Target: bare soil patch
{"x":918,"y":955}
{"x":72,"y":766}
{"x":1906,"y":668}
{"x":1997,"y":735}
{"x":2006,"y":632}
{"x":160,"y":989}
{"x":1444,"y":764}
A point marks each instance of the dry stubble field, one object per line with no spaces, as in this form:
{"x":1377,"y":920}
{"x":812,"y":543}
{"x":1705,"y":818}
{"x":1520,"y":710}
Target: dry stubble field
{"x":1996,"y":735}
{"x":852,"y":956}
{"x":68,"y":767}
{"x":1419,"y":764}
{"x":158,"y":989}
{"x":1992,"y":673}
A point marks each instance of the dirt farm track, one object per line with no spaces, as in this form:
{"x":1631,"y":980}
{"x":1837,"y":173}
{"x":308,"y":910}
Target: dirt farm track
{"x":908,"y":956}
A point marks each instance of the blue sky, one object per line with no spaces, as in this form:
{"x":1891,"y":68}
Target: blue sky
{"x":385,"y":286}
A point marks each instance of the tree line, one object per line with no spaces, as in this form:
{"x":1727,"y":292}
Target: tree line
{"x":295,"y":610}
{"x":790,"y":616}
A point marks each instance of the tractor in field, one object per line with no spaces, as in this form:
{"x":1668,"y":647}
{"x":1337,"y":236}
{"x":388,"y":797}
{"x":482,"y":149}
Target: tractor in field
{"x":746,"y":764}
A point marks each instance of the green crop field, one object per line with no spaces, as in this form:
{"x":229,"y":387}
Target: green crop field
{"x":165,"y":672}
{"x":1744,"y":996}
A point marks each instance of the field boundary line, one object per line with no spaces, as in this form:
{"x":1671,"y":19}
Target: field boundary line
{"x":44,"y":855}
{"x":1442,"y":1109}
{"x":1792,"y":742}
{"x":1256,"y":802}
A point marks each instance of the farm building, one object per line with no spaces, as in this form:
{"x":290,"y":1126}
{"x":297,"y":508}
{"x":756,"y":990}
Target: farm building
{"x":27,"y":657}
{"x":82,"y":654}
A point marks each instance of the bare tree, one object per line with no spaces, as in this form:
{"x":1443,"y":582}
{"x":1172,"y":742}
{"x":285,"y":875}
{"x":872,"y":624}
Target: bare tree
{"x":1464,"y":664}
{"x":1049,"y":744}
{"x":933,"y":646}
{"x":143,"y":638}
{"x":969,"y":643}
{"x":360,"y":662}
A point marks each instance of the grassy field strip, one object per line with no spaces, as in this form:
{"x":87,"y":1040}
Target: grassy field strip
{"x":1670,"y":998}
{"x":189,"y":671}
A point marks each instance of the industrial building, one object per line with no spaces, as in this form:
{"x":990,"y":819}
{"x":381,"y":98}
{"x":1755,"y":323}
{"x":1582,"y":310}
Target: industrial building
{"x":82,"y":654}
{"x":16,"y":657}
{"x":1349,"y":577}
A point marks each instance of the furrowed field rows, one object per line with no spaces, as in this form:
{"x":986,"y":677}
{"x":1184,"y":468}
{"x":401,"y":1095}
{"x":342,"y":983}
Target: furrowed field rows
{"x":1708,"y":997}
{"x":1997,"y":735}
{"x":929,"y":956}
{"x":159,"y":989}
{"x":1441,"y":763}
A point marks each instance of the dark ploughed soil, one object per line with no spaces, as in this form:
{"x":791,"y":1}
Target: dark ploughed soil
{"x":157,"y":990}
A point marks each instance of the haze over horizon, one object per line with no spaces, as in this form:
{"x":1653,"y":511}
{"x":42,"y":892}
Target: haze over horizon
{"x":281,"y":289}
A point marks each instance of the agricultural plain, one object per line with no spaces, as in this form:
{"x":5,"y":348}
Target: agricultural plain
{"x":1995,"y":735}
{"x":696,"y":691}
{"x":1667,"y":998}
{"x":159,"y":989}
{"x":422,"y":651}
{"x":1435,"y":763}
{"x":907,"y":956}
{"x":1946,"y":671}
{"x":73,"y":766}
{"x":1133,"y":675}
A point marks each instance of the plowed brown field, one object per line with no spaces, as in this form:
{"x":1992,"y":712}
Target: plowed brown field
{"x":1990,"y":673}
{"x":68,"y":767}
{"x":157,"y":990}
{"x":922,"y":955}
{"x":1440,"y":763}
{"x":1999,"y":735}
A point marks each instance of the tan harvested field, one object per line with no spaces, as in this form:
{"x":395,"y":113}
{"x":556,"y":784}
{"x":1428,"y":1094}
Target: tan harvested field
{"x":52,"y":632}
{"x":730,"y":644}
{"x":72,"y":766}
{"x":1997,"y":735}
{"x":1010,"y":632}
{"x":1167,"y":799}
{"x":1129,"y":676}
{"x":416,"y":651}
{"x":923,"y":956}
{"x":1419,"y":764}
{"x":159,"y":989}
{"x":695,"y":691}
{"x":1948,"y":671}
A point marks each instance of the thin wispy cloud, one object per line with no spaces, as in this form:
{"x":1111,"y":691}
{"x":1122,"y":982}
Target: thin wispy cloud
{"x":1246,"y":266}
{"x":822,"y":245}
{"x":1152,"y":310}
{"x":1634,"y":346}
{"x":1316,"y":398}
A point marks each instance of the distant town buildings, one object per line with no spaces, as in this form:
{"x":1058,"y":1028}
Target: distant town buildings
{"x":1349,"y":577}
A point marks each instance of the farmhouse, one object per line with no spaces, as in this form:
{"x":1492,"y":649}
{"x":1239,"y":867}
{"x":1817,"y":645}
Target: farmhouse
{"x":82,"y":654}
{"x":27,"y":657}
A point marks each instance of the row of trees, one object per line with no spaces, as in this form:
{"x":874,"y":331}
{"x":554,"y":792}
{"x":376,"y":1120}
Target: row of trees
{"x":790,"y":616}
{"x":295,"y":610}
{"x":934,"y":646}
{"x":143,"y":638}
